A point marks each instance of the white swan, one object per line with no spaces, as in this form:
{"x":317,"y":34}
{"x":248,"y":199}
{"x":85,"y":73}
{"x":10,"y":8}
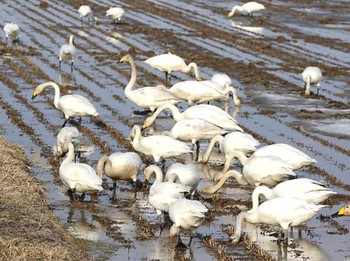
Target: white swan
{"x":163,"y":194}
{"x":249,"y":7}
{"x":78,"y":177}
{"x":303,"y":188}
{"x":229,"y":144}
{"x":209,"y":113}
{"x":120,"y":166}
{"x":186,"y":174}
{"x":148,"y":97}
{"x":203,"y":91}
{"x":296,"y":158}
{"x":222,"y":80}
{"x":67,"y":53}
{"x":117,"y":14}
{"x":311,"y":75}
{"x":286,"y":212}
{"x":71,"y":105}
{"x":65,"y":136}
{"x":12,"y":30}
{"x":158,"y":146}
{"x":85,"y":11}
{"x":264,"y":170}
{"x":186,"y":215}
{"x":170,"y":62}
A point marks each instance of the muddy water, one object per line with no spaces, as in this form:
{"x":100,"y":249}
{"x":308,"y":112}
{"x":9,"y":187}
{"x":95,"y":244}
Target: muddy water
{"x":263,"y":54}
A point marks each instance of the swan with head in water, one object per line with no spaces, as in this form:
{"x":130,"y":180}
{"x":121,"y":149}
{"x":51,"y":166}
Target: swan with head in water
{"x":71,"y":105}
{"x":120,"y":166}
{"x":311,"y":76}
{"x":65,"y":136}
{"x":249,"y":8}
{"x":78,"y":177}
{"x":85,"y":11}
{"x":148,"y":98}
{"x":207,"y":112}
{"x":67,"y":53}
{"x":203,"y":91}
{"x":158,"y":146}
{"x":286,"y":212}
{"x":170,"y":62}
{"x":12,"y":30}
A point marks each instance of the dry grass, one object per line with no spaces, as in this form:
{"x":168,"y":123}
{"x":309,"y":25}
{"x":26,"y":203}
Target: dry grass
{"x":28,"y":229}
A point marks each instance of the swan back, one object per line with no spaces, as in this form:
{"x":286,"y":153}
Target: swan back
{"x":223,"y":80}
{"x":12,"y":30}
{"x":314,"y":73}
{"x":241,"y":141}
{"x":116,"y":13}
{"x":186,"y":174}
{"x":64,"y":137}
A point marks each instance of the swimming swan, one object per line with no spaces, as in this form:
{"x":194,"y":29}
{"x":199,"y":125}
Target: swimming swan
{"x":71,"y":105}
{"x":147,"y":97}
{"x":117,"y":14}
{"x":67,"y":53}
{"x":12,"y":30}
{"x":249,"y":7}
{"x":209,"y":113}
{"x":303,"y":188}
{"x":170,"y":62}
{"x":203,"y":91}
{"x":85,"y":11}
{"x":78,"y":177}
{"x":186,"y":215}
{"x":158,"y":146}
{"x":286,"y":212}
{"x":311,"y":75}
{"x":120,"y":166}
{"x":229,"y":144}
{"x":163,"y":194}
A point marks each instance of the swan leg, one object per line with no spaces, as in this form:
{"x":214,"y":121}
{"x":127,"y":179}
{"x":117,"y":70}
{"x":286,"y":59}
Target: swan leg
{"x":138,"y":185}
{"x":166,"y":76}
{"x":180,"y":244}
{"x":197,"y":150}
{"x":64,"y":123}
{"x":72,"y":195}
{"x":71,"y":66}
{"x":59,"y":64}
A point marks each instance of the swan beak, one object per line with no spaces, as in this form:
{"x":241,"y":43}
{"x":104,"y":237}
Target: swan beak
{"x":340,"y":213}
{"x":35,"y":93}
{"x":123,"y":59}
{"x":144,"y":126}
{"x":199,"y":79}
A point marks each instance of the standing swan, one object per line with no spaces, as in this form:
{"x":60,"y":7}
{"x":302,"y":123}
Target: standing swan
{"x":187,"y":215}
{"x":249,"y":8}
{"x":170,"y":62}
{"x":12,"y":30}
{"x":71,"y":105}
{"x":206,"y":112}
{"x":64,"y":137}
{"x":163,"y":194}
{"x":78,"y":177}
{"x":85,"y":11}
{"x":67,"y":53}
{"x":286,"y":212}
{"x":120,"y":166}
{"x":158,"y":146}
{"x":148,"y":98}
{"x":311,"y":75}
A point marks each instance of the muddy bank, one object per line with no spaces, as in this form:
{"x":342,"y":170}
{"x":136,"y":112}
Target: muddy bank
{"x":28,"y":228}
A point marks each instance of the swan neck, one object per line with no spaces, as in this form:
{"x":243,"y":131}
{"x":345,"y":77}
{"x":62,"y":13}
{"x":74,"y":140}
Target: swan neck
{"x":154,"y":170}
{"x":195,"y":70}
{"x":238,"y":176}
{"x":241,"y":157}
{"x":70,"y":155}
{"x":238,"y":228}
{"x":132,"y":81}
{"x":214,"y":140}
{"x":307,"y":85}
{"x":101,"y":164}
{"x":71,"y":40}
{"x":56,"y":100}
{"x":231,"y":89}
{"x":177,"y":115}
{"x":267,"y":192}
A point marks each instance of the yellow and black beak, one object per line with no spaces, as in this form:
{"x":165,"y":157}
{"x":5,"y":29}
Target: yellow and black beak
{"x":340,"y":213}
{"x":144,"y":126}
{"x":35,"y":93}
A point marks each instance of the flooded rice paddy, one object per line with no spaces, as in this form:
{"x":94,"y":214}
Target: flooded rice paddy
{"x":264,"y":55}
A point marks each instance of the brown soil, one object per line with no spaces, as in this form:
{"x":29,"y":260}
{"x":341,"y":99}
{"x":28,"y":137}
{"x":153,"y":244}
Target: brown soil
{"x":28,"y":228}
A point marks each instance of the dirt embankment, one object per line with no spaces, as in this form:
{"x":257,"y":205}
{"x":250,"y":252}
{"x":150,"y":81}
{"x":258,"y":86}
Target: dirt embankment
{"x":28,"y":229}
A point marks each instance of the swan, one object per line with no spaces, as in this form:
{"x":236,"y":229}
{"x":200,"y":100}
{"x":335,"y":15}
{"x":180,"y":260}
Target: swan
{"x":163,"y":194}
{"x":311,"y":75}
{"x":12,"y":30}
{"x":67,"y":53}
{"x":120,"y":166}
{"x":85,"y":11}
{"x":303,"y":188}
{"x":286,"y":212}
{"x":170,"y":62}
{"x":203,"y":91}
{"x":117,"y":14}
{"x":207,"y":112}
{"x":186,"y":174}
{"x":65,"y":136}
{"x":296,"y":158}
{"x":158,"y":146}
{"x":344,"y":211}
{"x":263,"y":170}
{"x":186,"y":215}
{"x":229,"y":144}
{"x":78,"y":177}
{"x":222,"y":79}
{"x":249,"y":7}
{"x":148,"y":97}
{"x":71,"y":105}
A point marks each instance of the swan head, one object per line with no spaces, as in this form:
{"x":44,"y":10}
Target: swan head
{"x":344,"y":211}
{"x":125,"y":58}
{"x":35,"y":93}
{"x":199,"y":78}
{"x":235,"y":239}
{"x":230,"y":14}
{"x":146,"y":123}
